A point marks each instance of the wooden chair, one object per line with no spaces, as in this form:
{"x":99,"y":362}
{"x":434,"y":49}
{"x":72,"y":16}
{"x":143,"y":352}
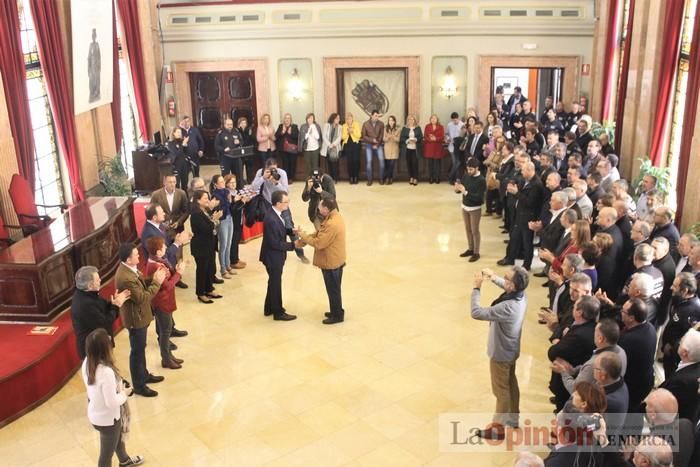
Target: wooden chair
{"x":26,"y":208}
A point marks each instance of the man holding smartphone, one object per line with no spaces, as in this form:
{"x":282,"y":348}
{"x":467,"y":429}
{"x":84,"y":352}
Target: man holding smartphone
{"x":505,"y":315}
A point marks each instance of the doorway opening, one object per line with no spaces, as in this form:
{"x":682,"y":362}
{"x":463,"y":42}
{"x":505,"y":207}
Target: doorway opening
{"x":536,"y":84}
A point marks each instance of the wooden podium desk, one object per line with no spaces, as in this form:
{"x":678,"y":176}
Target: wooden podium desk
{"x":37,"y":273}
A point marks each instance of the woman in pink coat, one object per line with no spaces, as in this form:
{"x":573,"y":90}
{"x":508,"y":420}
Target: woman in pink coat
{"x":433,"y":149}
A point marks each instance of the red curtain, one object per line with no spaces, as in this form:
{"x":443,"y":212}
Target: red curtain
{"x":611,"y":39}
{"x":15,"y":87}
{"x":128,"y":12}
{"x":691,"y":105}
{"x":623,"y":80}
{"x":671,"y":44}
{"x":116,"y":91}
{"x":53,"y":63}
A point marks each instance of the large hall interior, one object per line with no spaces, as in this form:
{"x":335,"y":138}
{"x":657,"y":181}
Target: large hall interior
{"x":349,"y":233}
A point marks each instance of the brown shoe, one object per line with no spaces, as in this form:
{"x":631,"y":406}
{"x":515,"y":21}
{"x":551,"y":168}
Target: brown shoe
{"x":239,"y":265}
{"x":170,"y":364}
{"x":226,"y":275}
{"x":179,"y":361}
{"x":493,"y":431}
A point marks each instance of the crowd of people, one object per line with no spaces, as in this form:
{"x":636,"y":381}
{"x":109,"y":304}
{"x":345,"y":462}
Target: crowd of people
{"x":622,"y":281}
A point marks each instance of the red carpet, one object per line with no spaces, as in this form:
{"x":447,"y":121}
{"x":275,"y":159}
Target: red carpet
{"x":33,"y":368}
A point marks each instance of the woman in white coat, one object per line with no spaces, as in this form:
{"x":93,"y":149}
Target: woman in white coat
{"x":330,"y":148}
{"x":107,"y":395}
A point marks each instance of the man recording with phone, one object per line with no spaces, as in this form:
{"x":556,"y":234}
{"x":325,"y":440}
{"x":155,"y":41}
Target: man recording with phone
{"x":318,"y":186}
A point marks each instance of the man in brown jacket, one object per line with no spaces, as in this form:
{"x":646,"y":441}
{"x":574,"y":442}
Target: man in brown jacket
{"x":329,"y":255}
{"x":136,"y":314}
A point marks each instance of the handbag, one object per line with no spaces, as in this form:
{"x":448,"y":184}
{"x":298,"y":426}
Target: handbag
{"x":492,"y":182}
{"x":289,"y":147}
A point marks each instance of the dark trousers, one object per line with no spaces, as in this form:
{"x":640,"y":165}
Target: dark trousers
{"x":434,"y":166}
{"x":111,"y":442}
{"x":235,"y":243}
{"x":264,"y":156}
{"x":195,"y":166}
{"x":204,"y":273}
{"x":389,"y":165}
{"x":412,"y":162}
{"x":352,"y":154}
{"x":137,"y":357}
{"x":164,"y":326}
{"x":332,"y":165}
{"x":457,"y":166}
{"x":493,"y":202}
{"x":182,"y":178}
{"x":273,"y":297}
{"x":230,"y":165}
{"x":333,"y":279}
{"x":521,"y":242}
{"x":289,"y":162}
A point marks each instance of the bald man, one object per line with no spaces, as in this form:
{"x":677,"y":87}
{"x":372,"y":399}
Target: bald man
{"x":529,"y":197}
{"x":662,"y":415}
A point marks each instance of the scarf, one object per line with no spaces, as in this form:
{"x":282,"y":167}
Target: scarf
{"x":505,"y":296}
{"x":124,"y":412}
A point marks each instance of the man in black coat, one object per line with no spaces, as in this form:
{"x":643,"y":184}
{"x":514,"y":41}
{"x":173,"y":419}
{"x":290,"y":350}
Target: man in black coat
{"x":606,"y":223}
{"x":664,"y":227}
{"x":684,"y":314}
{"x":89,"y":311}
{"x":476,"y":143}
{"x":273,"y":254}
{"x":576,"y":346}
{"x":664,"y":263}
{"x":195,"y":144}
{"x":683,"y":383}
{"x":528,"y":202}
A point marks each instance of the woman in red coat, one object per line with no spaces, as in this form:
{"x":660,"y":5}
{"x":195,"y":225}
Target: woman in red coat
{"x":433,"y":149}
{"x":163,"y":303}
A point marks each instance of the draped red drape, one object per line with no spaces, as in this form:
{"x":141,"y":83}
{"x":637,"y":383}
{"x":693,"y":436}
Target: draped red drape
{"x":116,"y":91}
{"x":671,"y":45}
{"x":53,"y":64}
{"x":624,"y":75}
{"x":691,"y":105}
{"x":128,"y":12}
{"x":15,"y":87}
{"x":611,"y":39}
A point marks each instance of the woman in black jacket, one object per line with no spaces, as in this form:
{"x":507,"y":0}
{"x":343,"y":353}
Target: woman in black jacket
{"x":245,"y":129}
{"x":177,"y":147}
{"x":287,"y":136}
{"x":203,"y":245}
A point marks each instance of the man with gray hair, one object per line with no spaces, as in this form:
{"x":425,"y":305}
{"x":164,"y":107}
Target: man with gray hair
{"x":89,"y":311}
{"x":652,"y":451}
{"x":528,"y":459}
{"x":664,"y":263}
{"x":685,"y":244}
{"x":684,"y":314}
{"x":664,"y":421}
{"x":683,"y":383}
{"x":505,"y":316}
{"x":643,"y":259}
{"x":571,"y":201}
{"x":664,"y":227}
{"x":582,"y":200}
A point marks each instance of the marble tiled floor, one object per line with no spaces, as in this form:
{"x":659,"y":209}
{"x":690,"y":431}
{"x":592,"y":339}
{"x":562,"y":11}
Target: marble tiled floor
{"x":367,"y":392}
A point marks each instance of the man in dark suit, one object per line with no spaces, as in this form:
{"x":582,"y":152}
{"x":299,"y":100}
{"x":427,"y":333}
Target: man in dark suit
{"x":664,"y":227}
{"x":606,"y":224}
{"x":576,"y":346}
{"x":195,"y":144}
{"x":476,"y":143}
{"x":684,"y":382}
{"x":273,"y":254}
{"x":89,"y":311}
{"x":664,"y":263}
{"x":154,"y":228}
{"x":528,"y":203}
{"x":515,"y":98}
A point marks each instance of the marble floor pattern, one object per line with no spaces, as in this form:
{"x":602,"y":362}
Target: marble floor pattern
{"x":367,"y":392}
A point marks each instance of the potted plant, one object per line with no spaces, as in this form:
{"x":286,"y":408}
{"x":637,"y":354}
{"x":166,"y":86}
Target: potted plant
{"x":662,"y":174}
{"x":607,"y":127}
{"x":113,"y":177}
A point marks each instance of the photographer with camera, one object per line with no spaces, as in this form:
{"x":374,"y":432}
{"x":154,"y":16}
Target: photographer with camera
{"x":505,"y":315}
{"x":266,"y":182}
{"x":318,"y":186}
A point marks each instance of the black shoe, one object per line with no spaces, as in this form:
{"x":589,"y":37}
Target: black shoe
{"x":153,"y":379}
{"x":332,"y":320}
{"x":466,"y":253}
{"x":181,"y":285}
{"x":390,"y":181}
{"x":284,"y":317}
{"x":381,"y":182}
{"x":327,"y":314}
{"x":505,"y":262}
{"x":178,"y":333}
{"x":205,"y":299}
{"x":145,"y":392}
{"x":214,"y":295}
{"x":474,"y":258}
{"x":216,"y":280}
{"x":369,"y":183}
{"x":172,"y":345}
{"x":540,"y":274}
{"x":546,"y":284}
{"x":506,"y":241}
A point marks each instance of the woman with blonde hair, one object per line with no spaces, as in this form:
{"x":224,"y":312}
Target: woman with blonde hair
{"x":433,"y":149}
{"x":265,"y":137}
{"x":411,"y":145}
{"x":107,"y":395}
{"x":493,"y":164}
{"x":351,"y":136}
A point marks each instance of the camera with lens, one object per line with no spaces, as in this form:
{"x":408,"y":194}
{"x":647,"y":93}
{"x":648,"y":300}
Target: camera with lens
{"x":591,"y":422}
{"x":316,"y":179}
{"x":275,"y":174}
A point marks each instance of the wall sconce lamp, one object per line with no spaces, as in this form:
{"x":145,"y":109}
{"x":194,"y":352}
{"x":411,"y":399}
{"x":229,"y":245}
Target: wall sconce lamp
{"x":449,"y":84}
{"x":295,"y":87}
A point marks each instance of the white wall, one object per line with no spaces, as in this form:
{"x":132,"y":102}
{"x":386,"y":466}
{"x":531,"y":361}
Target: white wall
{"x":466,"y":38}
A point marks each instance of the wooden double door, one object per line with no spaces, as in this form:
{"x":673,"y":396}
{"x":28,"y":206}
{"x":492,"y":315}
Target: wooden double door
{"x":217,"y":96}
